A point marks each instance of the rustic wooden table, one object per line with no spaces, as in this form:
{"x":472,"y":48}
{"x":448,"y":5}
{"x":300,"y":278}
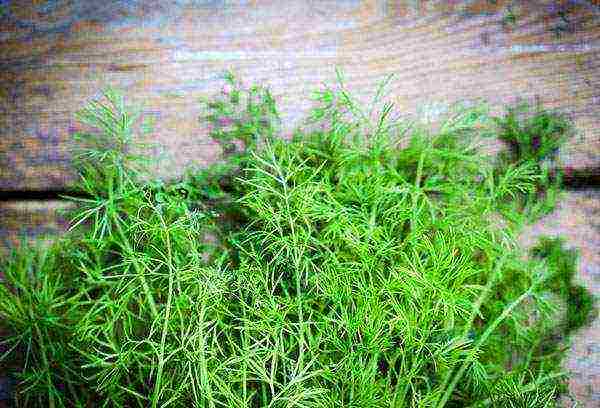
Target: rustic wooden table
{"x":56,"y":55}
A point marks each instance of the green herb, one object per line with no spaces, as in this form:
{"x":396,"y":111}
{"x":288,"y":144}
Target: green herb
{"x":343,"y":267}
{"x":534,"y":138}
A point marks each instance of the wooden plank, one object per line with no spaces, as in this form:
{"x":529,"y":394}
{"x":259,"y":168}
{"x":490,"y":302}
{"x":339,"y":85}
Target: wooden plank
{"x":31,"y":220}
{"x":56,"y":56}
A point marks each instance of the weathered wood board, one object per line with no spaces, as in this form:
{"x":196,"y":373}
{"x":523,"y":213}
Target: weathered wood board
{"x":56,"y":55}
{"x":32,"y":221}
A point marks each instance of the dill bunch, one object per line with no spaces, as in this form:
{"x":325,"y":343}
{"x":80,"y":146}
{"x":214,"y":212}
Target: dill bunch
{"x":366,"y":262}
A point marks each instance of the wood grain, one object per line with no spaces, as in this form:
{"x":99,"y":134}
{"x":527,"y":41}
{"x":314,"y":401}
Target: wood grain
{"x":31,"y":221}
{"x":56,"y":55}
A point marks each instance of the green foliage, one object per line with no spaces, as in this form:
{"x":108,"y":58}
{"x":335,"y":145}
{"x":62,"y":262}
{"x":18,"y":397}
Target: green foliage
{"x":509,"y":393}
{"x":510,"y":18}
{"x":563,"y":263}
{"x":241,"y":119}
{"x":340,"y":268}
{"x":38,"y":308}
{"x":534,"y":138}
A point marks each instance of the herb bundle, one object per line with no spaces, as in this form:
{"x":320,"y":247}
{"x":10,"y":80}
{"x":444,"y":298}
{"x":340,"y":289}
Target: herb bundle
{"x":366,"y":262}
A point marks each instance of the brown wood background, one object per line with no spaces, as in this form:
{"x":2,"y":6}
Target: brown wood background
{"x":166,"y":54}
{"x":55,"y":55}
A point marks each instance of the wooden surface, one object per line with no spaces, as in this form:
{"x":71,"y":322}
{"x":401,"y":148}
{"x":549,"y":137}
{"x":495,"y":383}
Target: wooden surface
{"x":33,"y":220}
{"x":56,"y":55}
